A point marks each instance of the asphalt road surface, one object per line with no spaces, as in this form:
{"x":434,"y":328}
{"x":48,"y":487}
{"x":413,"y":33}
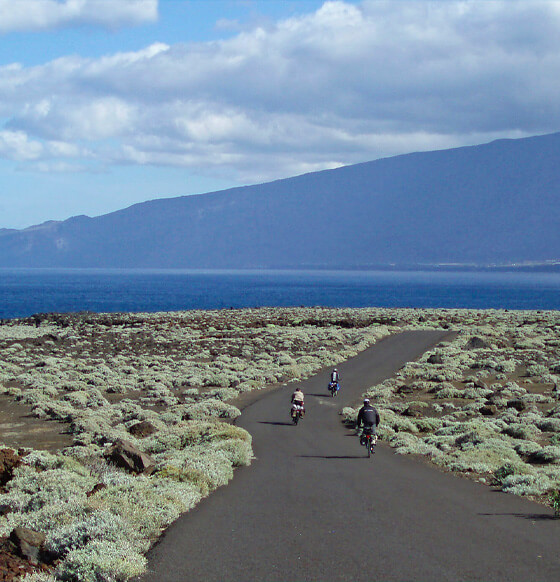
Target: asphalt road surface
{"x":313,"y":507}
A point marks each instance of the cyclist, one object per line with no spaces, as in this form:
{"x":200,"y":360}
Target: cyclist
{"x":298,"y":400}
{"x":334,"y":384}
{"x":369,"y":418}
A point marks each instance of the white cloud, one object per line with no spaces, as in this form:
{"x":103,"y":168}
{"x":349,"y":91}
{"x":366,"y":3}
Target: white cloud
{"x":34,"y":15}
{"x":15,"y":145}
{"x":345,"y":84}
{"x":55,"y":168}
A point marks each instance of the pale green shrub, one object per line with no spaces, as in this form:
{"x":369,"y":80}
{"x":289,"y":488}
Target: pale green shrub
{"x":537,"y":370}
{"x":527,"y":448}
{"x":511,"y":468}
{"x":428,"y":424}
{"x":102,"y":561}
{"x":223,"y":394}
{"x":408,"y":444}
{"x":39,"y":577}
{"x":506,"y":366}
{"x":47,"y":517}
{"x":537,"y":398}
{"x":385,"y":432}
{"x":48,"y":487}
{"x":522,"y":431}
{"x":99,"y":525}
{"x":450,"y":392}
{"x":397,"y":423}
{"x":475,"y":392}
{"x":485,"y":458}
{"x":148,"y":504}
{"x":349,"y":415}
{"x":211,"y":408}
{"x":528,"y":484}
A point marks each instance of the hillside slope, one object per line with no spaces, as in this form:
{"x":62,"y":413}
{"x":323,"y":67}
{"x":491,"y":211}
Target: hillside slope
{"x":494,"y":203}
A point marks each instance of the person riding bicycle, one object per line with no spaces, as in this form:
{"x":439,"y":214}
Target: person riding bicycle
{"x":298,"y":400}
{"x":369,"y":418}
{"x":335,"y":376}
{"x":335,"y":380}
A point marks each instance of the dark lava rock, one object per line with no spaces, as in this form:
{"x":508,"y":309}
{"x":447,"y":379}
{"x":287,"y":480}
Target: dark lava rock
{"x":489,"y":410}
{"x":96,"y":488}
{"x":415,"y":411}
{"x":12,"y":566}
{"x":9,"y":460}
{"x":404,"y":389}
{"x":28,"y":543}
{"x":142,"y":429}
{"x":519,"y":405}
{"x":126,"y":455}
{"x":435,"y":359}
{"x":476,"y":343}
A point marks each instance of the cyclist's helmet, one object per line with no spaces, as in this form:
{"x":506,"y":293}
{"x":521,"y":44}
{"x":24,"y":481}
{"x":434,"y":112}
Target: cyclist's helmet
{"x":366,"y":400}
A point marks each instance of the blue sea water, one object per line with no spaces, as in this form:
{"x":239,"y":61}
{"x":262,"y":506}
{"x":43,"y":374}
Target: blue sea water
{"x":27,"y":291}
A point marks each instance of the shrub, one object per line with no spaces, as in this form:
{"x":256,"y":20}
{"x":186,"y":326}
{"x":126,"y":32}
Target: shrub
{"x":522,"y":431}
{"x":211,"y":408}
{"x":349,"y":415}
{"x":528,"y":484}
{"x":428,"y":424}
{"x":548,"y":454}
{"x":554,"y":500}
{"x":99,"y":525}
{"x":549,"y":425}
{"x":537,"y":370}
{"x":194,"y":476}
{"x":408,"y":444}
{"x":396,"y":422}
{"x":39,"y":577}
{"x":450,"y":392}
{"x":509,"y":468}
{"x":527,"y":449}
{"x":102,"y":561}
{"x":506,"y":366}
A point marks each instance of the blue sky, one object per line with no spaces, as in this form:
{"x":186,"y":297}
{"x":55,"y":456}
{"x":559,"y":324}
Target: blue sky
{"x":104,"y":103}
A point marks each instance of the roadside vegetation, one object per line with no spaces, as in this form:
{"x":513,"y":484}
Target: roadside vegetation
{"x":485,"y":404}
{"x":163,"y":384}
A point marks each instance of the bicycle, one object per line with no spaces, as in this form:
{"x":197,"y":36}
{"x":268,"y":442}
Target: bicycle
{"x":297,"y":413}
{"x":334,"y":387}
{"x":369,"y":440}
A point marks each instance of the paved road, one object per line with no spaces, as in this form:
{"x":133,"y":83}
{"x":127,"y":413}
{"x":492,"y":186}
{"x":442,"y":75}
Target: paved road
{"x":312,"y":507}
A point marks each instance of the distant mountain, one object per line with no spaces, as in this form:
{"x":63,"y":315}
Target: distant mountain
{"x":493,"y":203}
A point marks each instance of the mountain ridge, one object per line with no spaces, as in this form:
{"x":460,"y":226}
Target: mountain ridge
{"x":496,"y":203}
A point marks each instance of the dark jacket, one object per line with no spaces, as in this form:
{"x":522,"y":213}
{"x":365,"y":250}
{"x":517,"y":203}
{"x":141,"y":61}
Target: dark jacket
{"x":368,"y":416}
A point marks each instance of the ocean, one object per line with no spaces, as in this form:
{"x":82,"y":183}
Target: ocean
{"x":24,"y":292}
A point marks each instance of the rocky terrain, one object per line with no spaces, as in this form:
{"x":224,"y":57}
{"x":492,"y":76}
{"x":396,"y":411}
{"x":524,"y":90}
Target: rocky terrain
{"x":118,"y":423}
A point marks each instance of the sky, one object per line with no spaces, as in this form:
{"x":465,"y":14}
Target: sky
{"x":106,"y":103}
